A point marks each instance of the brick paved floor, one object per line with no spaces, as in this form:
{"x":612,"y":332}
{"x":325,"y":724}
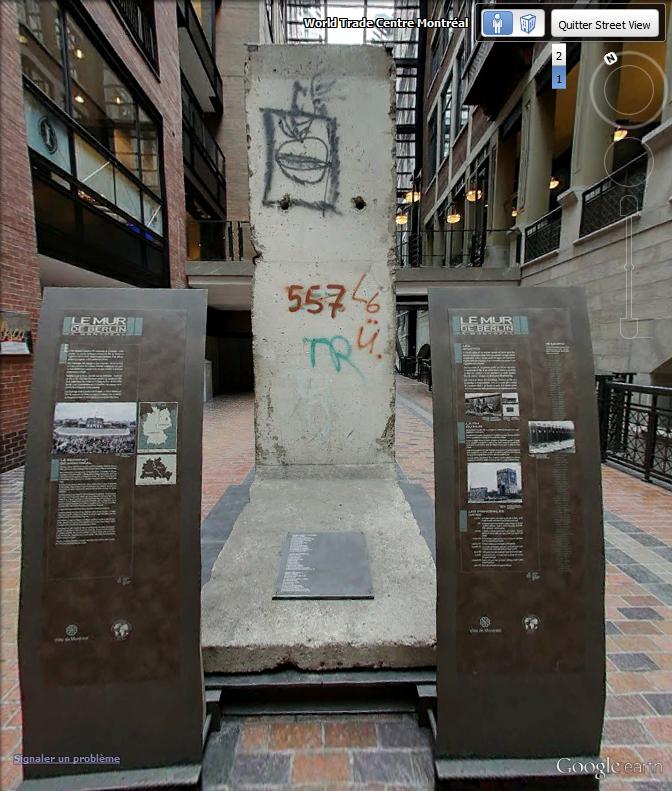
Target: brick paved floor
{"x":386,"y":752}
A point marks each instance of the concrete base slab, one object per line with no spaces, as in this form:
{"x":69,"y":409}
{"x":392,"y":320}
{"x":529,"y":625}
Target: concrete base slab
{"x":245,"y":630}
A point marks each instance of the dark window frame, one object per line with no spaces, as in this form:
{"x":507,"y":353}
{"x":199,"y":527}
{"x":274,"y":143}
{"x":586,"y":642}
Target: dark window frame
{"x":151,"y":57}
{"x":446,"y":106}
{"x":461,"y":110}
{"x":432,"y":142}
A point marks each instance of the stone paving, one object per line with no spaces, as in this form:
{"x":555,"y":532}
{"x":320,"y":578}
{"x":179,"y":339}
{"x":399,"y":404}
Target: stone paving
{"x":373,"y":752}
{"x":388,"y":752}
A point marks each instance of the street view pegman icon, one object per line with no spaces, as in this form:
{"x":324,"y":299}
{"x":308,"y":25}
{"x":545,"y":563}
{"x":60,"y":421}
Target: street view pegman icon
{"x":497,"y":23}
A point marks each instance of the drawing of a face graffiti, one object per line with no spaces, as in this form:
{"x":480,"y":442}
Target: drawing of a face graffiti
{"x":302,"y":149}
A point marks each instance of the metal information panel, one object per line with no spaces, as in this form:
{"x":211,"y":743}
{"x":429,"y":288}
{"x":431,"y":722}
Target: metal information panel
{"x":324,"y":566}
{"x":109,"y":622}
{"x":520,"y":552}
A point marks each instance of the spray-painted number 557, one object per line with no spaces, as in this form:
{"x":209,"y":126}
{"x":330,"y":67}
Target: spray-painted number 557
{"x":314,"y":300}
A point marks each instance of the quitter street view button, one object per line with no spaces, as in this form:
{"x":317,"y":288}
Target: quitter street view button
{"x":605,"y":23}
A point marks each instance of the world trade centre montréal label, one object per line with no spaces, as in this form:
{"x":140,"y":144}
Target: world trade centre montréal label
{"x":520,"y":558}
{"x":109,"y":627}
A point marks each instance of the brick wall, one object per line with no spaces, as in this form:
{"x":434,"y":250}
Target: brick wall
{"x":19,"y":267}
{"x":238,"y":23}
{"x":19,"y":273}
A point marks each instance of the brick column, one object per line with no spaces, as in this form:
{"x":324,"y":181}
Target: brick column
{"x":19,"y":268}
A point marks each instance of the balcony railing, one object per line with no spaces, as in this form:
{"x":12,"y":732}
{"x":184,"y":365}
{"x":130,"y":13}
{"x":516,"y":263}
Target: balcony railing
{"x":544,"y":235}
{"x":616,"y":196}
{"x":140,"y":25}
{"x":219,"y":240}
{"x":201,"y":151}
{"x":452,"y":248}
{"x":636,"y":427}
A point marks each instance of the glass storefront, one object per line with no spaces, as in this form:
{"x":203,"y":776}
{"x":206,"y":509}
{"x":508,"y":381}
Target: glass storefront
{"x":103,"y":138}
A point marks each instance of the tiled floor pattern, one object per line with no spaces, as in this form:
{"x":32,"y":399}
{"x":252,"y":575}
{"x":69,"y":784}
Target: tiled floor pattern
{"x":638,"y":725}
{"x":228,"y":445}
{"x":384,"y":752}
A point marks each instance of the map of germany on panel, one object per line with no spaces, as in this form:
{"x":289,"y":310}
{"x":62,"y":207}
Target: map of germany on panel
{"x":157,"y":426}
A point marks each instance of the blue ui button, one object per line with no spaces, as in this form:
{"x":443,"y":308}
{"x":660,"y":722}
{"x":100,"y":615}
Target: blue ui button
{"x":497,"y":23}
{"x":559,"y":77}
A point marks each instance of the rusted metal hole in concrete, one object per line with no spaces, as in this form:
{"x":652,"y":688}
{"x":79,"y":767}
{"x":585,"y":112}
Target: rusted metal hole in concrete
{"x":359,"y":202}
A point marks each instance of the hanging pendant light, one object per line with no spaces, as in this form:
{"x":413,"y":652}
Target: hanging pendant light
{"x":453,"y":216}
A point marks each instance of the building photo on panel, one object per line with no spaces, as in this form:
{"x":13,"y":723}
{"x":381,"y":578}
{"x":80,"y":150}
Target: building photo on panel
{"x":494,"y":482}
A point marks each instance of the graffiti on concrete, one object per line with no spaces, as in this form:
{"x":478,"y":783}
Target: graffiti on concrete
{"x":340,"y":351}
{"x":302,"y":164}
{"x":314,"y":300}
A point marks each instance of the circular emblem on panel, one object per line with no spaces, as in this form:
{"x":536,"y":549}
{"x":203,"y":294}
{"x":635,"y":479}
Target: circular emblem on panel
{"x":531,"y":623}
{"x":485,"y":621}
{"x":48,"y":134}
{"x":120,"y":629}
{"x":71,"y":630}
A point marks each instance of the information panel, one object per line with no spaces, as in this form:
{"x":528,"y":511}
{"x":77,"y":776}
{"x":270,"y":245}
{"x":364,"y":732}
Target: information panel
{"x":109,"y":623}
{"x":520,"y":552}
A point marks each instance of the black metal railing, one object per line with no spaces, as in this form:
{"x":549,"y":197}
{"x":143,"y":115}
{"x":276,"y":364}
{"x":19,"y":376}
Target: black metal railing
{"x":200,"y":149}
{"x":219,"y":240}
{"x":636,"y":427}
{"x":454,"y":247}
{"x":425,"y":371}
{"x":544,"y":235}
{"x":407,"y":366}
{"x":618,"y":195}
{"x":140,"y":25}
{"x":188,"y":18}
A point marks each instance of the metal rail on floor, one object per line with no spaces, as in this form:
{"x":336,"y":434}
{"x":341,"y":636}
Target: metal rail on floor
{"x":328,"y":692}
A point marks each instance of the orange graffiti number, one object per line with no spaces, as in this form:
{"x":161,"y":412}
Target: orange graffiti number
{"x":337,"y":305}
{"x":294,"y":297}
{"x":318,"y":302}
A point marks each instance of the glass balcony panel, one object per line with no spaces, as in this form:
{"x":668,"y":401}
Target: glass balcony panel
{"x":128,"y":195}
{"x":94,"y":170}
{"x":153,"y":214}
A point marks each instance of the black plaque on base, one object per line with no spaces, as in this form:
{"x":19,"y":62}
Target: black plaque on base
{"x":520,"y":552}
{"x":324,"y":566}
{"x":109,"y":619}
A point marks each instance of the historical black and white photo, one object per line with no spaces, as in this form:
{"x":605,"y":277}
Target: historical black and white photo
{"x":551,"y":436}
{"x":483,"y":404}
{"x":495,"y":482}
{"x":94,"y":427}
